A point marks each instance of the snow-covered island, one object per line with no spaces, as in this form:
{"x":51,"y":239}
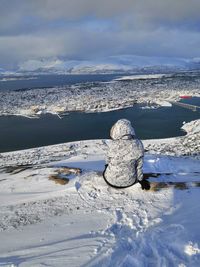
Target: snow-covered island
{"x":98,"y":96}
{"x":57,"y":210}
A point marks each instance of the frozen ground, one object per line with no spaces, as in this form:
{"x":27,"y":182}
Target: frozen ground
{"x":54,"y":215}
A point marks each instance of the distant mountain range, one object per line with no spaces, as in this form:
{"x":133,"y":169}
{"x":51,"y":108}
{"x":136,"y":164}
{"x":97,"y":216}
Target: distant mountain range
{"x":112,"y":65}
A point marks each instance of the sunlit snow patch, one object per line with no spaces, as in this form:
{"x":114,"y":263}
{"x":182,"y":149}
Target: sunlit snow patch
{"x":141,"y":77}
{"x":192,"y":249}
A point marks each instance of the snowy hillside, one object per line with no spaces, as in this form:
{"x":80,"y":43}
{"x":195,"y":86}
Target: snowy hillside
{"x":112,"y":64}
{"x":56,"y":209}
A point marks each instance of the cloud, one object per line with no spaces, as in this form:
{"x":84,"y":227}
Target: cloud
{"x":89,"y":29}
{"x":77,"y":9}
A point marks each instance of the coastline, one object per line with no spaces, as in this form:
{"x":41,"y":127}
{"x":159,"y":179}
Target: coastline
{"x":187,"y":145}
{"x":92,"y":97}
{"x":47,"y":203}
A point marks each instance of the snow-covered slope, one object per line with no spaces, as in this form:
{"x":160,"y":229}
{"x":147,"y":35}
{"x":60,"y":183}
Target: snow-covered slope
{"x":56,"y":209}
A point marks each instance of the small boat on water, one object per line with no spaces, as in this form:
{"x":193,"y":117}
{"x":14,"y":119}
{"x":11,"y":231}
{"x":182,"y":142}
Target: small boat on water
{"x":185,"y":96}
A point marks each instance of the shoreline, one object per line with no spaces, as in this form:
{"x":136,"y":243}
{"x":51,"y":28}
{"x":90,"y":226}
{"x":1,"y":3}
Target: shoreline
{"x":36,"y":115}
{"x":93,"y":97}
{"x":187,"y":145}
{"x":47,"y":118}
{"x":153,"y":105}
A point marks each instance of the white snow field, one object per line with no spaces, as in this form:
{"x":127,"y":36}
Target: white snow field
{"x":51,"y":214}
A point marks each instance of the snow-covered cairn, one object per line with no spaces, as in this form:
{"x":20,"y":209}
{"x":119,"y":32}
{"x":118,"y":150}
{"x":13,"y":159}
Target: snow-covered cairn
{"x":125,"y":156}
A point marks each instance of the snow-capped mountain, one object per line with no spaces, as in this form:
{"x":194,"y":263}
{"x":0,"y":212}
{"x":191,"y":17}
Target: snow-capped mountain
{"x":114,"y":64}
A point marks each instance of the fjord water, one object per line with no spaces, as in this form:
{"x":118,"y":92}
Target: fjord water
{"x":46,"y":81}
{"x":20,"y":132}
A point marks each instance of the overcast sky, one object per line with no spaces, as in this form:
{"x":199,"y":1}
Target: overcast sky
{"x":97,"y":29}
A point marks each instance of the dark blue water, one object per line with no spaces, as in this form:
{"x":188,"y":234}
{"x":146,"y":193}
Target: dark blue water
{"x":193,"y":101}
{"x":43,"y":81}
{"x":20,"y":133}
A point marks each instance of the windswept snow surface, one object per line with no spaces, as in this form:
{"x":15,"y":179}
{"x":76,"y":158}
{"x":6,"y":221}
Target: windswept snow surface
{"x":87,"y":223}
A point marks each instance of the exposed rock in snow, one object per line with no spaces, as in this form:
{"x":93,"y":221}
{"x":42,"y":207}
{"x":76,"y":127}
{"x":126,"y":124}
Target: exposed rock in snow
{"x":188,"y":145}
{"x":192,"y":249}
{"x":87,"y":223}
{"x":84,"y":222}
{"x":192,"y":127}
